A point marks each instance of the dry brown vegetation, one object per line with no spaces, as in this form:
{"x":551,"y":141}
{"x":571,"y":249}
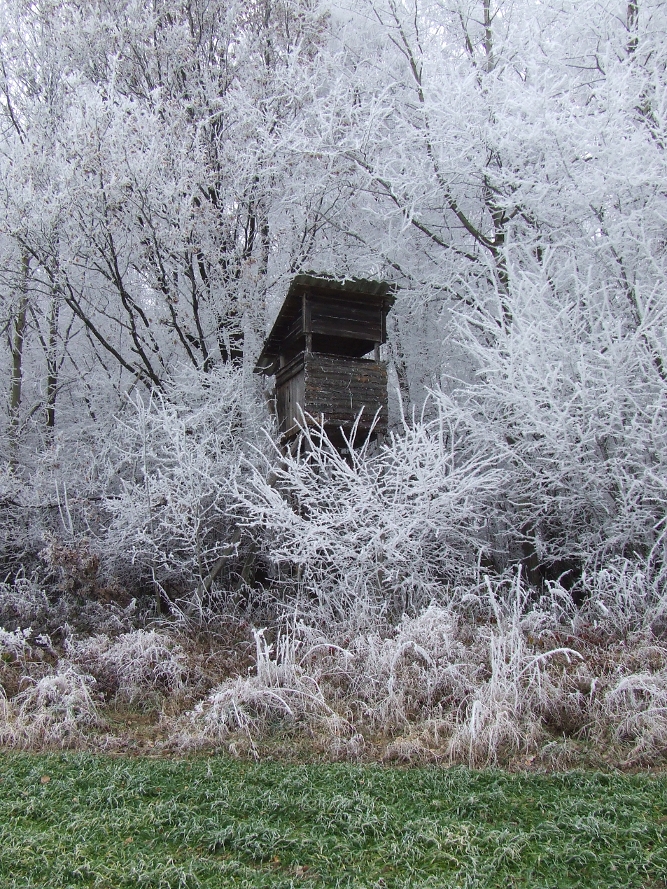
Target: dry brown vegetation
{"x":500,"y":675}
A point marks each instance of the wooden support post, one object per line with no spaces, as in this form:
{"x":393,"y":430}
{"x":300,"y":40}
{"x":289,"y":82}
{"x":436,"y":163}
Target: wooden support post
{"x":307,"y":322}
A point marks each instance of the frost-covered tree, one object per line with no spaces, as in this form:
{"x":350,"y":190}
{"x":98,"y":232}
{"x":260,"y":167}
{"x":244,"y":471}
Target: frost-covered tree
{"x":503,"y":162}
{"x":166,"y":170}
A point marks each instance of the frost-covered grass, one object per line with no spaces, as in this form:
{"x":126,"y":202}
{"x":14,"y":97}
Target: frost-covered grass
{"x":55,"y":710}
{"x":494,"y":675}
{"x":505,"y":675}
{"x":82,"y":820}
{"x":133,"y":664}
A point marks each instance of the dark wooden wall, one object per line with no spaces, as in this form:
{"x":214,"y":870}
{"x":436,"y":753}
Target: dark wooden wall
{"x":334,"y":386}
{"x":290,"y":393}
{"x":346,"y":317}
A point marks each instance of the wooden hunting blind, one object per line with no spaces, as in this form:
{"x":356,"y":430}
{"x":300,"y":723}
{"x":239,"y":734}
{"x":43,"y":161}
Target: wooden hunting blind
{"x":324,"y":349}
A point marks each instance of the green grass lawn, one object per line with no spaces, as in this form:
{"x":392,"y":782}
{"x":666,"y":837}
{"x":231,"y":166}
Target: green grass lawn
{"x":87,"y":820}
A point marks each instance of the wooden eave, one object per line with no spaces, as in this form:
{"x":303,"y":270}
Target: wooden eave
{"x":379,"y":293}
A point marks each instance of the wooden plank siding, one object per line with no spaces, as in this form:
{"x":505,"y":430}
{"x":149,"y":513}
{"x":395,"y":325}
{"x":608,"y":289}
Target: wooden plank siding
{"x":349,"y":318}
{"x":332,"y":386}
{"x":290,"y":393}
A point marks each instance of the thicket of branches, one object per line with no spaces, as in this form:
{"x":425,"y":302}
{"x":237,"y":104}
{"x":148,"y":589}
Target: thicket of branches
{"x":164,"y":174}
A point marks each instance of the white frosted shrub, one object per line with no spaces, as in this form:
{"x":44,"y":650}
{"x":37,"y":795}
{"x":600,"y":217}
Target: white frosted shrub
{"x":621,"y":598}
{"x":521,"y":686}
{"x":133,"y":664}
{"x":485,"y":683}
{"x":58,"y":709}
{"x":172,"y":478}
{"x":281,"y":686}
{"x":15,"y":644}
{"x":634,"y":710}
{"x":572,"y":401}
{"x":381,"y":532}
{"x":22,"y":603}
{"x":414,"y":673}
{"x":504,"y":710}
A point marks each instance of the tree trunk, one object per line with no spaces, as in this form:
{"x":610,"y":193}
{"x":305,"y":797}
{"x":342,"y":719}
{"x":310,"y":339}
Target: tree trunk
{"x":17,"y":343}
{"x":52,"y":363}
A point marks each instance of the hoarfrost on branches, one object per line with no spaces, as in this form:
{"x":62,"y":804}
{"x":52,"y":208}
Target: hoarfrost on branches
{"x":164,"y":175}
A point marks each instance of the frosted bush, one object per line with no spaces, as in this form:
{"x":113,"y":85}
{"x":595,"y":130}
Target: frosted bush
{"x":635,"y":710}
{"x":57,"y":709}
{"x":519,"y":687}
{"x":173,"y":473}
{"x":242,"y":704}
{"x":133,"y":663}
{"x":22,"y":603}
{"x":15,"y":654}
{"x":622,"y":599}
{"x":498,"y":672}
{"x":484,"y":684}
{"x":15,"y":644}
{"x":503,"y":713}
{"x":376,"y":533}
{"x":280,"y":687}
{"x":412,"y":674}
{"x":577,"y":417}
{"x":495,"y":677}
{"x":485,"y":691}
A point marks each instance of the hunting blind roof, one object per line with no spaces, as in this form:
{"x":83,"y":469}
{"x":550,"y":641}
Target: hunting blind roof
{"x":326,"y":315}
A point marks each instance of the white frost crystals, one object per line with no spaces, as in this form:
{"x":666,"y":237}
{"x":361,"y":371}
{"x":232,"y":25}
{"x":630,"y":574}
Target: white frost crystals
{"x":280,"y":687}
{"x":133,"y":665}
{"x":57,"y":710}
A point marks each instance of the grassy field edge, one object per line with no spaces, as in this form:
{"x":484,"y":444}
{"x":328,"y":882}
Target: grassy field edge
{"x":75,"y":820}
